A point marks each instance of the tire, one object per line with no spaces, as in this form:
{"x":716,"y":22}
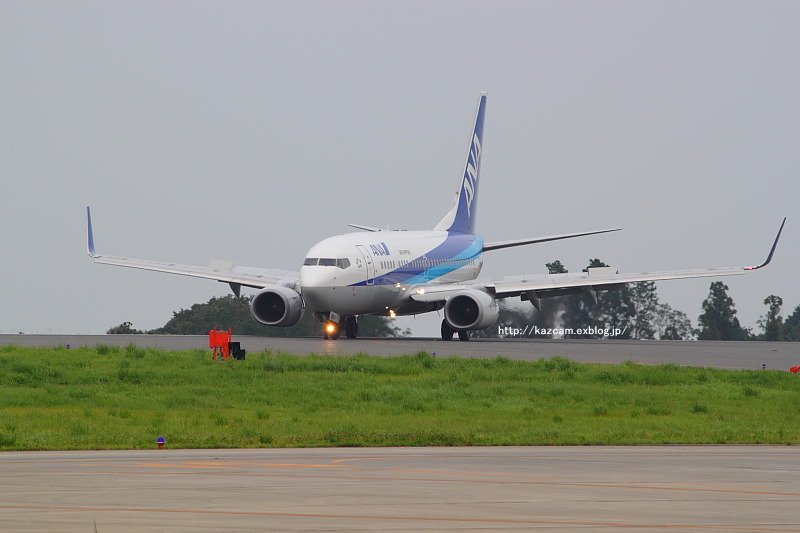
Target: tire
{"x":447,"y":331}
{"x":463,"y":335}
{"x":351,"y":327}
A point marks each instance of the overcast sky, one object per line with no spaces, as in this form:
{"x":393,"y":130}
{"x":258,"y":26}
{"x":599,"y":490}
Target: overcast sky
{"x":249,"y":131}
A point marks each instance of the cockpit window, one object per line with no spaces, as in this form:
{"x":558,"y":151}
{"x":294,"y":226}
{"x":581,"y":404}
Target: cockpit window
{"x":327,"y":262}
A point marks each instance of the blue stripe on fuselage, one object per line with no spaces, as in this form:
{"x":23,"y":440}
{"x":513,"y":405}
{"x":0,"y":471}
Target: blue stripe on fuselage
{"x":456,"y":247}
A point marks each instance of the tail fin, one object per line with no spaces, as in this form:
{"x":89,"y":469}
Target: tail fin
{"x":461,"y":218}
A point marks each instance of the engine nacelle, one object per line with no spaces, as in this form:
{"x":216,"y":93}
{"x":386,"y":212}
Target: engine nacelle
{"x":277,"y":306}
{"x":471,"y":309}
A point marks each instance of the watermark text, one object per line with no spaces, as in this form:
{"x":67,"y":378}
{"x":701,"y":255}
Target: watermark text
{"x":536,"y":331}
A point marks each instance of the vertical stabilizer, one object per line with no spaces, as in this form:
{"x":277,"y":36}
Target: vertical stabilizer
{"x":461,"y":218}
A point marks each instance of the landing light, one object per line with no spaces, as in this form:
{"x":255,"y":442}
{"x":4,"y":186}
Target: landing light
{"x":420,"y":291}
{"x":330,"y":328}
{"x":391,"y":313}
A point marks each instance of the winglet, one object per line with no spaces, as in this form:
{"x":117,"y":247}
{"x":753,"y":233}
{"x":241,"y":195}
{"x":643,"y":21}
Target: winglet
{"x":771,"y":250}
{"x":90,"y":242}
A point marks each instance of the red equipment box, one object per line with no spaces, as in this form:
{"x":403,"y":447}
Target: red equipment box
{"x":219,"y":341}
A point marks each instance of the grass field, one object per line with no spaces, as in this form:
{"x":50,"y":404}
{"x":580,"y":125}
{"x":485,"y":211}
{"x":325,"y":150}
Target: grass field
{"x":107,"y":398}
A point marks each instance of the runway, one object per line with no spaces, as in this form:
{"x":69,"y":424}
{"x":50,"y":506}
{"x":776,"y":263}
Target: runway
{"x":736,"y":355}
{"x":731,"y":488}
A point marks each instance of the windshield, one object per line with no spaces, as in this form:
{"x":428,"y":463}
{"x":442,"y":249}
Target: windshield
{"x":326,"y":261}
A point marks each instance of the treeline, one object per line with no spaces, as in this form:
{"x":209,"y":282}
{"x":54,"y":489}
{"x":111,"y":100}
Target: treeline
{"x":636,"y":312}
{"x":234,"y":312}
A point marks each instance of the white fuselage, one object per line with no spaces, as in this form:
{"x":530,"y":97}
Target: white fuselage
{"x":374,"y":272}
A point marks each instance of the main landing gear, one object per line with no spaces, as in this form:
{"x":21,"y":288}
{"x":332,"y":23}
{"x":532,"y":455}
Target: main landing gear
{"x":331,"y":330}
{"x":350,"y":327}
{"x":448,"y":332}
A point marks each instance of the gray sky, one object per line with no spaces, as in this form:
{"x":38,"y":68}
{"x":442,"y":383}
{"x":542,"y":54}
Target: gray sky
{"x":250,"y":130}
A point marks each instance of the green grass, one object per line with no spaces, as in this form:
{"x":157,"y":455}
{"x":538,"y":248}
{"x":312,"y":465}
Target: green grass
{"x":110,"y":397}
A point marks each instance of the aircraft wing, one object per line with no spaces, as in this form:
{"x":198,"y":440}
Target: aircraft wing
{"x":236,"y":276}
{"x":550,"y":285}
{"x":560,"y":284}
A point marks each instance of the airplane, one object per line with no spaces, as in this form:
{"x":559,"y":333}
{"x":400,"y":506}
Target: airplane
{"x":395,"y":273}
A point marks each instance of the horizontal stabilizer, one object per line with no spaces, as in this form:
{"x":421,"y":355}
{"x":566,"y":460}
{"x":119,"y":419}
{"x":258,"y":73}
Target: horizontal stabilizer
{"x":365,"y":228}
{"x":533,"y":240}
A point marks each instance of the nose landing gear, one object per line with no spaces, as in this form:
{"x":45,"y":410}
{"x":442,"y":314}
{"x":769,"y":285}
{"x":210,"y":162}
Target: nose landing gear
{"x":330,"y":330}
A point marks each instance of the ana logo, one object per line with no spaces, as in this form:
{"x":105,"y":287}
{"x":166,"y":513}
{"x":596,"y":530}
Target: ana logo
{"x":379,"y":249}
{"x":471,"y":173}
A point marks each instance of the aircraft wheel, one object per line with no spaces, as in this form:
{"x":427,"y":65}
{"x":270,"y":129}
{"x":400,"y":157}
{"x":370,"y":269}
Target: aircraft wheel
{"x":351,"y":327}
{"x":447,"y":331}
{"x":463,"y":335}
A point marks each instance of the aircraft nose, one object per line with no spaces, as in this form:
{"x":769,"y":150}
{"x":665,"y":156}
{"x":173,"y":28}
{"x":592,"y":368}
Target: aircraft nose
{"x":315,"y":276}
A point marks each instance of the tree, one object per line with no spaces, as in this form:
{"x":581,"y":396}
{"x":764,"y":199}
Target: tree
{"x":124,"y":329}
{"x":772,"y":323}
{"x":556,"y":267}
{"x":377,"y":326}
{"x":616,"y":310}
{"x":672,"y":325}
{"x":225,"y":312}
{"x":791,"y":326}
{"x":718,"y":320}
{"x":646,"y":309}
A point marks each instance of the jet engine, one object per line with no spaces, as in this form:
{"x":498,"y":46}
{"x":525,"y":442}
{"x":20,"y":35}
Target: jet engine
{"x":471,"y":309}
{"x":277,"y":306}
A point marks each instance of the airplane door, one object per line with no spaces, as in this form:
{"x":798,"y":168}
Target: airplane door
{"x":370,"y":264}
